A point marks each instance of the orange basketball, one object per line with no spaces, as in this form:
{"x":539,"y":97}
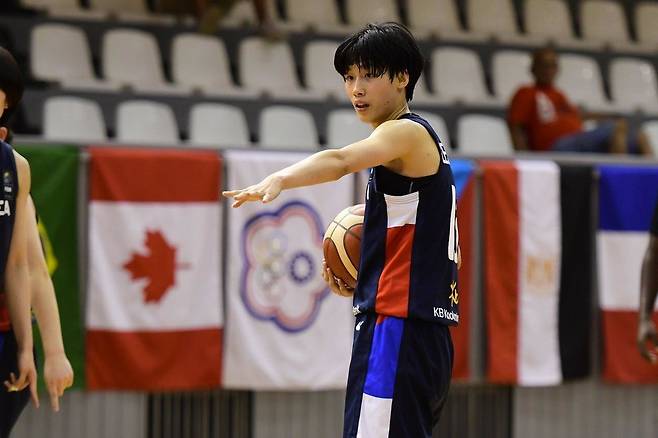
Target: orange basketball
{"x":342,"y":244}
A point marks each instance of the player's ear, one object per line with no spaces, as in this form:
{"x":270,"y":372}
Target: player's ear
{"x":403,"y":79}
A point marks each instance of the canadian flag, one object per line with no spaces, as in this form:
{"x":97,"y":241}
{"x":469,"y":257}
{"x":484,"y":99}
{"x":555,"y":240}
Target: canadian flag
{"x":154,"y":315}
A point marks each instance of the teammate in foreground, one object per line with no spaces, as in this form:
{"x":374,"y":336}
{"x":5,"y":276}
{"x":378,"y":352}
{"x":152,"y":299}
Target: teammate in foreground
{"x":406,"y":294}
{"x":15,"y":340}
{"x":648,"y":291}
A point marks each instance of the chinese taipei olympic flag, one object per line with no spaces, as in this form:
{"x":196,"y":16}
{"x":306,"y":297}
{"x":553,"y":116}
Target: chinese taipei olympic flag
{"x":154,"y":314}
{"x":284,"y":330}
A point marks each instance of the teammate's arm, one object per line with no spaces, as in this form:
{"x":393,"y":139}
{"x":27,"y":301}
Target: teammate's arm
{"x":391,"y":140}
{"x":17,"y":286}
{"x":518,"y":135}
{"x":57,"y":371}
{"x":648,"y":292}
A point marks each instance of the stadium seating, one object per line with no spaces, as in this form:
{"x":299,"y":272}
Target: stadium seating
{"x":131,"y":57}
{"x":480,"y":134}
{"x":286,"y":127}
{"x":604,"y":21}
{"x":201,"y":62}
{"x":318,"y":15}
{"x":580,"y":78}
{"x":496,"y":18}
{"x":60,"y":53}
{"x":145,"y":122}
{"x":510,"y":70}
{"x":68,"y":118}
{"x":344,"y":127}
{"x":438,"y":18}
{"x":218,"y":125}
{"x":258,"y":56}
{"x":320,"y":75}
{"x":457,"y":76}
{"x":361,"y":12}
{"x":551,"y":19}
{"x":646,"y":17}
{"x":633,"y":84}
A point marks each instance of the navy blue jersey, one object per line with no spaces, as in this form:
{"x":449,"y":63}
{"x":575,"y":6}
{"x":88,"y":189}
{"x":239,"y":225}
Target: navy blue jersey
{"x":7,"y":202}
{"x":654,"y":222}
{"x":408,"y":266}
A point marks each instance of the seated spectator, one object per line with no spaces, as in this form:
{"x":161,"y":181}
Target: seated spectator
{"x":541,"y":118}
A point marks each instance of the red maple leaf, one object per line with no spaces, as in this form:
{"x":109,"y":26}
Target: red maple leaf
{"x":158,"y":266}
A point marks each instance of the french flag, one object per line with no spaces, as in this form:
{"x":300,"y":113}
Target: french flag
{"x":627,"y":196}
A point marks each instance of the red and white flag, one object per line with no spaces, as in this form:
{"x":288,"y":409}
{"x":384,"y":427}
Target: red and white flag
{"x":154,"y":313}
{"x":284,"y":330}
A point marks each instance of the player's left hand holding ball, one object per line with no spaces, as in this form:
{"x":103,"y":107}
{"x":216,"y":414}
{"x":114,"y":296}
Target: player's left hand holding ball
{"x":267,"y":190}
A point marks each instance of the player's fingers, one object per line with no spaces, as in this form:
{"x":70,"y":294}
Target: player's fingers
{"x":22,"y":381}
{"x":230,"y":193}
{"x":34,"y":395}
{"x":54,"y":393}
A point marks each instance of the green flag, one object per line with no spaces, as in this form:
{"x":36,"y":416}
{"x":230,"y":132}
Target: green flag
{"x":54,"y":172}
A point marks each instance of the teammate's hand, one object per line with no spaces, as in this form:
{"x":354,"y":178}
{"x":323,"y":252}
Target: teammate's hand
{"x":58,"y":375}
{"x":647,"y":333}
{"x":267,"y":190}
{"x":27,"y":376}
{"x":336,"y":285}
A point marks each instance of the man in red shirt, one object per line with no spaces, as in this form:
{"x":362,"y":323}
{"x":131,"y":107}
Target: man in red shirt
{"x":541,"y":118}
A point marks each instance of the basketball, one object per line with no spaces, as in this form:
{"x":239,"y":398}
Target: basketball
{"x":342,"y":244}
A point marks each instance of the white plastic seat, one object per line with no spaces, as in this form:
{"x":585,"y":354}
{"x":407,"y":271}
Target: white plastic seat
{"x":361,"y":12}
{"x":646,"y":17}
{"x":491,"y":17}
{"x":132,"y":57}
{"x":510,"y":70}
{"x":243,"y":14}
{"x":68,"y":118}
{"x":319,"y":15}
{"x":604,"y":21}
{"x":651,"y":130}
{"x":551,"y":19}
{"x":146,"y":122}
{"x":422,"y":93}
{"x":438,"y":17}
{"x":580,"y":79}
{"x":480,"y":134}
{"x":320,"y":74}
{"x":457,"y":75}
{"x":286,"y":127}
{"x":269,"y":67}
{"x":633,"y":84}
{"x":59,"y":52}
{"x":344,"y":128}
{"x":63,"y":9}
{"x":201,"y":62}
{"x":216,"y":124}
{"x":439,"y":126}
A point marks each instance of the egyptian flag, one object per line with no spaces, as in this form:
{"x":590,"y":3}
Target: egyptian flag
{"x":537,"y":236}
{"x":627,"y":196}
{"x":154,"y":315}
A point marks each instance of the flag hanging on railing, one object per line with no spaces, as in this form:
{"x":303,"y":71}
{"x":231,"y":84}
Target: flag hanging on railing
{"x":627,"y":195}
{"x":537,"y":297}
{"x":154,"y":312}
{"x":464,"y":174}
{"x":284,"y":330}
{"x":54,"y":172}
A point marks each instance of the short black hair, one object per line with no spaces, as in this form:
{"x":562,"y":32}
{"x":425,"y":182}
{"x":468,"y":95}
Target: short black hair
{"x":382,"y":48}
{"x":11,"y":79}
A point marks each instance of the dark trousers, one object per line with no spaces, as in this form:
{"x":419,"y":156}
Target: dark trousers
{"x":11,"y":403}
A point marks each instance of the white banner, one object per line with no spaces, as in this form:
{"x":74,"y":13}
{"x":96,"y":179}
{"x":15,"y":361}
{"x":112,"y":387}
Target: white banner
{"x":284,"y":329}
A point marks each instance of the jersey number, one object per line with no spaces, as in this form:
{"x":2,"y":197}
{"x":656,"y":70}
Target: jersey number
{"x":453,"y":239}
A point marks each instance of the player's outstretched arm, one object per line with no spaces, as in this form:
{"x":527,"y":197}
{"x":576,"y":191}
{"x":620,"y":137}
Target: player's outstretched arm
{"x":390,"y":141}
{"x":57,"y":370}
{"x":17,"y":288}
{"x":648,"y":291}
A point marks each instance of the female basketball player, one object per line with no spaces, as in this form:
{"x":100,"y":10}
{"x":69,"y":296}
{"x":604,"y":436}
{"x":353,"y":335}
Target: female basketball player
{"x":15,"y":173}
{"x":406,"y":293}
